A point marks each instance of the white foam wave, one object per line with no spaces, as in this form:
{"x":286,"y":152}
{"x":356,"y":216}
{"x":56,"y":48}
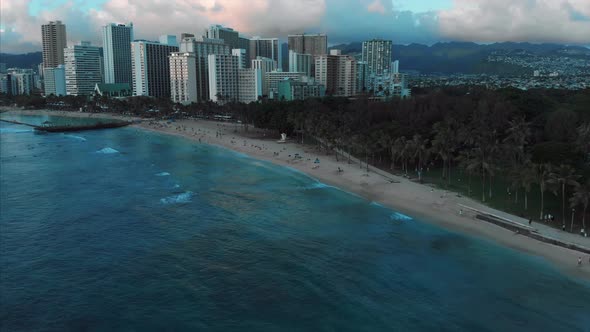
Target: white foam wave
{"x":185,"y":197}
{"x":318,"y":185}
{"x":375,"y":204}
{"x":14,"y":130}
{"x":163,"y":174}
{"x":107,"y":151}
{"x":176,"y":186}
{"x":400,"y":217}
{"x":79,"y":138}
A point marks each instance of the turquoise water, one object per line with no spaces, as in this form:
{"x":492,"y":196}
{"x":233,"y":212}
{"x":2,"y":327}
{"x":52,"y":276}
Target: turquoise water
{"x":127,"y":230}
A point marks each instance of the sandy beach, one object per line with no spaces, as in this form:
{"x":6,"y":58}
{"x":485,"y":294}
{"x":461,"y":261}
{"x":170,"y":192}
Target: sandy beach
{"x":421,"y":201}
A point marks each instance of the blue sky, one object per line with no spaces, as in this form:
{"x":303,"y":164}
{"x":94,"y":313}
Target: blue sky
{"x":403,"y":21}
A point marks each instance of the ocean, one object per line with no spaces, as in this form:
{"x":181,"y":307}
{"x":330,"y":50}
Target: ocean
{"x":129,"y":230}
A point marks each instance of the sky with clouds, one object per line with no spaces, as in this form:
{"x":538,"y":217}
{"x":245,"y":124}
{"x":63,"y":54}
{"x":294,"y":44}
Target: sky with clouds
{"x":403,"y":21}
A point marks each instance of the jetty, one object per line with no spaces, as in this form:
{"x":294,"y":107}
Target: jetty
{"x":48,"y":126}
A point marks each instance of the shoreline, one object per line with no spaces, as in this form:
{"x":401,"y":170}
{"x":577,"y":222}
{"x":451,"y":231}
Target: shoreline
{"x":430,"y":205}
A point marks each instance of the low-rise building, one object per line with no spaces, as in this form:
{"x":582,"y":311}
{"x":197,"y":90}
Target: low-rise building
{"x":290,"y":89}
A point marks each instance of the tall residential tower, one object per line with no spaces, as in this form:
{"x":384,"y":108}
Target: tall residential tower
{"x":377,"y":55}
{"x":117,"y":40}
{"x":54,"y":41}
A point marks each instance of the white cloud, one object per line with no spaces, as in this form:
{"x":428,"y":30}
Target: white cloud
{"x":566,"y":21}
{"x":376,"y":7}
{"x":152,"y":18}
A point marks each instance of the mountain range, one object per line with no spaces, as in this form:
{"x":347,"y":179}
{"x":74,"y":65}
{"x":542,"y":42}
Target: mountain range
{"x":465,"y":57}
{"x":446,"y":58}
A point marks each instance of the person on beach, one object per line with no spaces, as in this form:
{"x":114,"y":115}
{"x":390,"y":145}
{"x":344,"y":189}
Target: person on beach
{"x":530,"y":221}
{"x":579,"y":261}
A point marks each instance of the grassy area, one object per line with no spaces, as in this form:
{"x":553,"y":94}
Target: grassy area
{"x":503,"y":198}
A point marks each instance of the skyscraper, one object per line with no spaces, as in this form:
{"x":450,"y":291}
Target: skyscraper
{"x":223,"y":77}
{"x":314,"y":44}
{"x":202,"y":48}
{"x":377,"y":55}
{"x":266,"y":47}
{"x":117,"y":40}
{"x":183,"y":77}
{"x":362,"y":77}
{"x":82,"y":69}
{"x":241,"y":54}
{"x":150,"y":68}
{"x":337,"y":73}
{"x":228,"y":35}
{"x":54,"y":41}
{"x":262,"y":66}
{"x":55,"y":80}
{"x":301,"y":63}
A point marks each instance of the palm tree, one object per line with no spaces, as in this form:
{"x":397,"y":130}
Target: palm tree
{"x":562,"y":177}
{"x":400,"y":148}
{"x":527,"y":178}
{"x":581,"y":197}
{"x":543,"y":172}
{"x":420,"y":152}
{"x":479,"y":164}
{"x":583,"y":140}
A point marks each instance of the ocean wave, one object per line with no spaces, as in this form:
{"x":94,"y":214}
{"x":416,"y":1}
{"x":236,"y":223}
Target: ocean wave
{"x":185,"y":197}
{"x":373,"y":203}
{"x":14,"y":130}
{"x":107,"y":151}
{"x":79,"y":138}
{"x":318,"y":185}
{"x":176,"y":186}
{"x":400,"y":217}
{"x":163,"y":174}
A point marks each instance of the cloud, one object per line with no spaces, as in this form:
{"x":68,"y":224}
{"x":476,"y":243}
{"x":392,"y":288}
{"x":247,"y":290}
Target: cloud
{"x":566,"y":21}
{"x":517,"y":20}
{"x":376,"y":7}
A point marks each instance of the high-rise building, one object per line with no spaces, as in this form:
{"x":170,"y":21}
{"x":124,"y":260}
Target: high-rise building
{"x":150,"y":67}
{"x":262,"y":66}
{"x":228,"y":35}
{"x":242,"y":59}
{"x":249,"y":85}
{"x":377,"y":55}
{"x":55,"y":81}
{"x":169,"y":40}
{"x":294,"y":90}
{"x":395,"y":67}
{"x":301,"y":63}
{"x":314,"y":44}
{"x":337,"y":73}
{"x":223,"y":77}
{"x":272,"y":79}
{"x":54,"y":42}
{"x":183,"y":77}
{"x":82,"y":69}
{"x":362,"y":77}
{"x":202,"y":48}
{"x":266,"y":47}
{"x":117,"y":40}
{"x":17,"y":81}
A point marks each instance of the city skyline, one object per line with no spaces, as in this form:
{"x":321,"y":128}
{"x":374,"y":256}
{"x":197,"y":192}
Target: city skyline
{"x":404,"y":22}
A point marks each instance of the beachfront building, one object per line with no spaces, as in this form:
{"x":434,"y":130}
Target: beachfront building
{"x":290,"y":89}
{"x":151,"y":68}
{"x":55,"y":80}
{"x":301,"y":63}
{"x":249,"y":85}
{"x":377,"y":54}
{"x":116,"y":39}
{"x":267,"y":48}
{"x":262,"y":66}
{"x":17,"y":81}
{"x":82,"y":69}
{"x":272,"y":79}
{"x":337,"y":73}
{"x":228,"y":35}
{"x":54,"y":40}
{"x":202,"y":48}
{"x":313,"y":44}
{"x":183,"y":77}
{"x":242,"y":59}
{"x":223,"y":77}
